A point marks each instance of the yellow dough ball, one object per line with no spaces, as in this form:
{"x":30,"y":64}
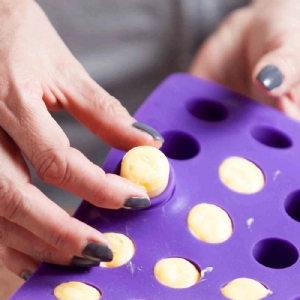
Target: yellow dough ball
{"x":241,"y":175}
{"x":147,"y":167}
{"x":176,"y":273}
{"x":76,"y":291}
{"x":245,"y":289}
{"x":209,"y":223}
{"x":122,"y":247}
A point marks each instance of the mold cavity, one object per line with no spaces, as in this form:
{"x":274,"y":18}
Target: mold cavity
{"x":292,"y":205}
{"x":271,"y":137}
{"x":177,"y":272}
{"x":207,"y":110}
{"x":179,"y":145}
{"x":275,"y":253}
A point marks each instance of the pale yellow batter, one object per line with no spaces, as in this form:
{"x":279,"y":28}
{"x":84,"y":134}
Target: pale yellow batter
{"x":76,"y":291}
{"x":209,"y":223}
{"x":122,"y":247}
{"x":176,"y":273}
{"x":245,"y":289}
{"x":147,"y":167}
{"x":241,"y":175}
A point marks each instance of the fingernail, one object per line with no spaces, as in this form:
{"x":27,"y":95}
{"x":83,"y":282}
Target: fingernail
{"x":26,"y":275}
{"x":137,"y":203}
{"x":270,"y":76}
{"x":84,"y":262}
{"x":156,"y":136}
{"x":97,"y":252}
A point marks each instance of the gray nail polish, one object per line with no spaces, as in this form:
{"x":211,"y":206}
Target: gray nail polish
{"x":25,"y":275}
{"x":270,"y":76}
{"x":97,"y":252}
{"x":137,"y":203}
{"x":84,"y":262}
{"x":156,"y":136}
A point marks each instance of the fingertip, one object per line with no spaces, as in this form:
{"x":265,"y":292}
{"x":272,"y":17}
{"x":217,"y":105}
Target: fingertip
{"x":270,"y":77}
{"x":156,"y":136}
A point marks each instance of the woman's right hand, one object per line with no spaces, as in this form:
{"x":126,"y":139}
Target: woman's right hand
{"x":37,"y":74}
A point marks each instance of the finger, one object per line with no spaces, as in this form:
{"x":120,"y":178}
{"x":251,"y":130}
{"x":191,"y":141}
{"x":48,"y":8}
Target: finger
{"x":278,"y":71}
{"x":104,"y":115}
{"x":47,"y":148}
{"x":16,"y":237}
{"x":11,"y":159}
{"x":26,"y":206}
{"x":289,"y":107}
{"x":19,"y":263}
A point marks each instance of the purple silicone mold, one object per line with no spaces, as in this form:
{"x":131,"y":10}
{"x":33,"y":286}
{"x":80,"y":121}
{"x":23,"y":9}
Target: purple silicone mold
{"x":203,"y":124}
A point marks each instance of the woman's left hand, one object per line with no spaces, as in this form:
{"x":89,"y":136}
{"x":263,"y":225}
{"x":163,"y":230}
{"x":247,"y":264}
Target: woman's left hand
{"x":256,"y":51}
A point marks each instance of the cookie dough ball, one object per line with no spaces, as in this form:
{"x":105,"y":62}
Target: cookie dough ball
{"x":122,"y":247}
{"x":209,"y":223}
{"x":241,"y":175}
{"x":177,"y":273}
{"x":147,"y":167}
{"x":76,"y":291}
{"x":245,"y":289}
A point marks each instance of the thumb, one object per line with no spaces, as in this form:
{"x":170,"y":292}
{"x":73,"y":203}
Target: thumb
{"x":277,"y":72}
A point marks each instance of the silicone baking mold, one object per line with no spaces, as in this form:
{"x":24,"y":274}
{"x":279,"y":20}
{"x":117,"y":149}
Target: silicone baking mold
{"x":203,"y":124}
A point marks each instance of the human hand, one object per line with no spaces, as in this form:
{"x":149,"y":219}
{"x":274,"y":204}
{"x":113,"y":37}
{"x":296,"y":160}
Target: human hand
{"x":37,"y":74}
{"x":256,"y":52}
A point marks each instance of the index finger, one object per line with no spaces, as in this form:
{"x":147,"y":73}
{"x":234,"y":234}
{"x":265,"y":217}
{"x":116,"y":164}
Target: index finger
{"x":104,"y":115}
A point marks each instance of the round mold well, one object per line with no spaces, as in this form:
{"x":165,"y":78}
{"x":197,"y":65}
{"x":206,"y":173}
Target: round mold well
{"x":271,"y":137}
{"x":292,"y":205}
{"x":179,"y":145}
{"x":207,"y":110}
{"x":275,"y":253}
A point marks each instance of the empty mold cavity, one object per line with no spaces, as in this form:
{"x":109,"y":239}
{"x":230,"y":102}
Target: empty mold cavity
{"x":271,"y":137}
{"x":179,"y":145}
{"x":275,"y":253}
{"x":292,"y":205}
{"x":207,"y":110}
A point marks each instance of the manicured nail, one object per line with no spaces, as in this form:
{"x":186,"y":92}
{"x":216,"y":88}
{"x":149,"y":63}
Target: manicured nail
{"x":97,"y":252}
{"x":137,"y":203}
{"x":270,"y":76}
{"x":84,"y":262}
{"x":156,"y":136}
{"x":26,"y":275}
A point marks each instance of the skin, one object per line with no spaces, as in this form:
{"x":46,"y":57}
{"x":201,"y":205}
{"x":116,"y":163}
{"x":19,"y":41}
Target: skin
{"x":264,"y":33}
{"x":38,"y":73}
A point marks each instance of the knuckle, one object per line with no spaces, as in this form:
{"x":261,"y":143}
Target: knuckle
{"x":111,"y":106}
{"x":3,"y":231}
{"x":11,"y":202}
{"x":102,"y":196}
{"x":59,"y":239}
{"x":3,"y":259}
{"x":51,"y":167}
{"x":44,"y":254}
